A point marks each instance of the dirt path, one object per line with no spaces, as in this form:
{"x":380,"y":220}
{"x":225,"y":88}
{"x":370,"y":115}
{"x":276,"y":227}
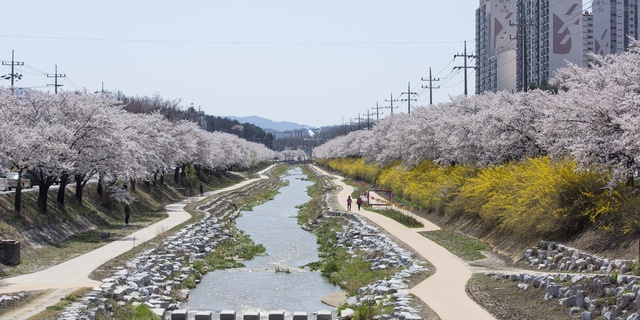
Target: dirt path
{"x":73,"y":274}
{"x":444,"y":291}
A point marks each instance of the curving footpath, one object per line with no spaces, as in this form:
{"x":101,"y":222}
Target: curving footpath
{"x":444,"y":291}
{"x":71,"y":275}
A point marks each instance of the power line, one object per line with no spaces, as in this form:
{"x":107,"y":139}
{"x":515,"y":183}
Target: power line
{"x":233,"y":42}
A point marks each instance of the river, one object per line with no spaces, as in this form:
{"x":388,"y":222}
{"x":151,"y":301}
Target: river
{"x":257,"y":286}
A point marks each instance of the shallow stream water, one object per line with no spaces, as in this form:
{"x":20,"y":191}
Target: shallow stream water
{"x":258,"y":287}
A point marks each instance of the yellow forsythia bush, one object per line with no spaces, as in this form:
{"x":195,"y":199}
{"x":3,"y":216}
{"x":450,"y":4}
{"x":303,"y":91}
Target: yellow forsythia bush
{"x":355,"y":168}
{"x":537,"y":196}
{"x":428,"y":184}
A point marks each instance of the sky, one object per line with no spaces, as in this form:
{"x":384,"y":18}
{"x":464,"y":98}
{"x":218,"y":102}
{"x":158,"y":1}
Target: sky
{"x":311,"y":62}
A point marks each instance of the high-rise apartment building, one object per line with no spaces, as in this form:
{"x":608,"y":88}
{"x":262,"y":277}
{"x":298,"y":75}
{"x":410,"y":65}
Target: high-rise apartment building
{"x":588,"y":43}
{"x":521,"y":43}
{"x":496,"y":45}
{"x":614,"y":21}
{"x":550,"y":34}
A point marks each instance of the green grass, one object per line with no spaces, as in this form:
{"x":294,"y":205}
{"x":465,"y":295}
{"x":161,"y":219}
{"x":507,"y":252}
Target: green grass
{"x":462,"y":246}
{"x":402,"y":218}
{"x":129,"y":312}
{"x":339,"y":267}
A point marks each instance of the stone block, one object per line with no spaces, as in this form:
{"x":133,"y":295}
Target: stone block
{"x":251,"y":315}
{"x":299,"y":315}
{"x":347,"y":313}
{"x":276,"y":315}
{"x":228,"y":315}
{"x":203,"y":315}
{"x":324,"y":315}
{"x":553,"y":290}
{"x":179,"y":315}
{"x":159,"y":312}
{"x":10,"y":252}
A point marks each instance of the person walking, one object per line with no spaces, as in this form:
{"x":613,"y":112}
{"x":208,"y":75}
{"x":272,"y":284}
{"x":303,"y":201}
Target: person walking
{"x":349,"y":200}
{"x":359,"y":202}
{"x":127,"y":213}
{"x":201,"y":189}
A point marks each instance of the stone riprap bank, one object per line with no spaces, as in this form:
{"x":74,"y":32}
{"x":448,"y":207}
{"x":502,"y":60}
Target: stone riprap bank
{"x":155,"y":277}
{"x":551,"y":256}
{"x":383,"y":253}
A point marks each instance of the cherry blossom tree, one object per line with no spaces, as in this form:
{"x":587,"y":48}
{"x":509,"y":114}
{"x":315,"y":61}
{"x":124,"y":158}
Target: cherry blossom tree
{"x":595,"y":119}
{"x":81,"y":135}
{"x":592,"y":118}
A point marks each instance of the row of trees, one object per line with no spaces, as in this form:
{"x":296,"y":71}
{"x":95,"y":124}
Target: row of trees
{"x":76,"y":136}
{"x":593,"y":117}
{"x":173,"y":111}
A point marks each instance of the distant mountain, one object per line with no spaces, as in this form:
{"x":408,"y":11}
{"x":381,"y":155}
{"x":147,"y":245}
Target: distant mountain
{"x":269,"y":124}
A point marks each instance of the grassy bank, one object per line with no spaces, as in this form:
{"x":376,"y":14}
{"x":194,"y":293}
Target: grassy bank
{"x":458,"y":244}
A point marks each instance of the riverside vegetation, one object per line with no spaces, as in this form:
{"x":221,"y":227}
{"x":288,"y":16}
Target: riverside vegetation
{"x":346,"y":270}
{"x":512,"y":206}
{"x":79,"y":226}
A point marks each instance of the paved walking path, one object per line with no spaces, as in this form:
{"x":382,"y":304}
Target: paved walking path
{"x":73,"y":274}
{"x":444,"y":291}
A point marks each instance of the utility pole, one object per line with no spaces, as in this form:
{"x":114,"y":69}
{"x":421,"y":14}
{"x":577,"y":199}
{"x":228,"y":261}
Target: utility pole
{"x":430,"y":86}
{"x":102,"y":91}
{"x":13,"y":75}
{"x":465,"y":67}
{"x":56,"y":75}
{"x":377,"y":111}
{"x":409,"y":99}
{"x":369,"y":120}
{"x":391,"y":101}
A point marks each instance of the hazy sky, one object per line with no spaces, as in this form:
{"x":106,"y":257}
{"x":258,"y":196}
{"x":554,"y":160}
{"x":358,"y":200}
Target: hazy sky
{"x":310,"y":62}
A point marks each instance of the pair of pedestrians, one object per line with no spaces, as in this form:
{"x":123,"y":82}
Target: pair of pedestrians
{"x":359,"y":202}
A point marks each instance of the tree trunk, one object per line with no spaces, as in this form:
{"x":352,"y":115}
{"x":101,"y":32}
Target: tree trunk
{"x":17,"y":202}
{"x":42,"y":196}
{"x":133,"y":184}
{"x":64,"y":179}
{"x":79,"y":187}
{"x":99,"y":188}
{"x":176,"y":175}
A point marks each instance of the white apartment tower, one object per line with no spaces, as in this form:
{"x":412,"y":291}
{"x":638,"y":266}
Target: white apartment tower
{"x":496,"y":45}
{"x":614,"y":21}
{"x":549,"y":36}
{"x":588,"y":43}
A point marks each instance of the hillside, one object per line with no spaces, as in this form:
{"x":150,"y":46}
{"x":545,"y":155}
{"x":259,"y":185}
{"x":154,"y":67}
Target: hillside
{"x":269,"y":124}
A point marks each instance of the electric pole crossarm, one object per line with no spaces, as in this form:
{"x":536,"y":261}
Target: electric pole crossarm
{"x":409,"y":99}
{"x":430,"y":86}
{"x":377,"y":111}
{"x":465,"y":66}
{"x":13,"y":76}
{"x":391,"y":101}
{"x":56,"y":75}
